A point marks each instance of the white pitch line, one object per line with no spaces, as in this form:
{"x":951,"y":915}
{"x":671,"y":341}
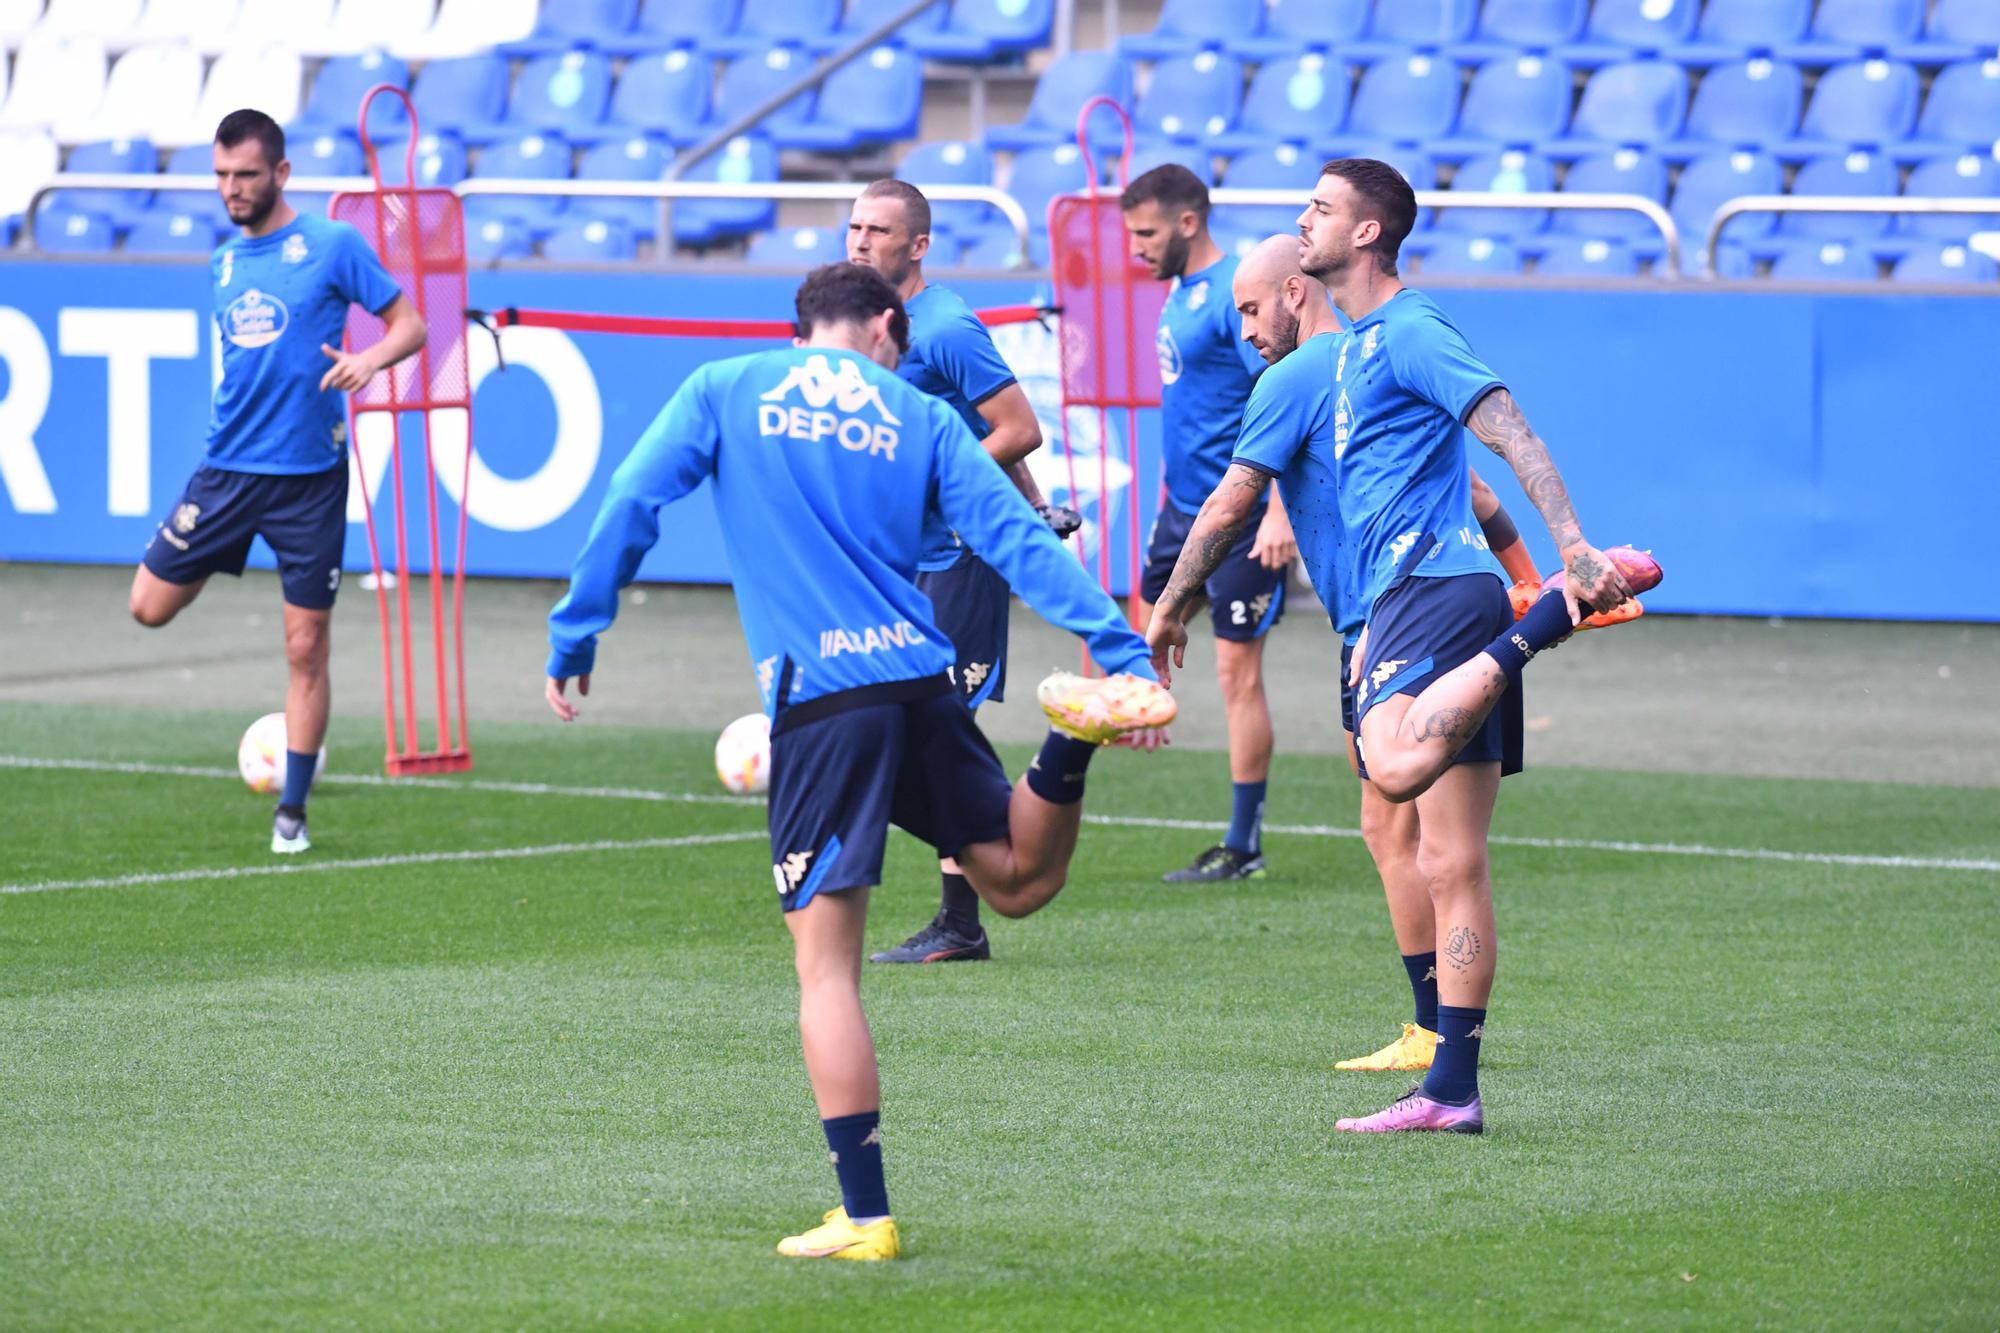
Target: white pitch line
{"x":1973,"y":864}
{"x":380,"y":862}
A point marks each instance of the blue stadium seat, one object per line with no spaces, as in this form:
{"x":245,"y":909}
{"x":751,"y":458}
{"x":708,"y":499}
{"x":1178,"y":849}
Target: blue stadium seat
{"x":440,"y":161}
{"x":1151,"y":153}
{"x":1858,"y":173}
{"x":590,"y":241}
{"x":60,"y":230}
{"x":571,"y":23}
{"x":1733,"y":261}
{"x":865,"y":16}
{"x":1958,"y":30}
{"x":1038,"y":176}
{"x":461,"y":93}
{"x":529,"y":157}
{"x":562,"y":94}
{"x":1295,"y":26}
{"x":1402,"y":26}
{"x":663,"y":93}
{"x":638,"y":157}
{"x":983,"y":30}
{"x":1864,"y":102}
{"x":1465,"y":256}
{"x":664,"y":23}
{"x":118,"y":208}
{"x":1633,"y":103}
{"x":1508,"y":26}
{"x":992,"y":248}
{"x":328,"y":155}
{"x":1511,"y":171}
{"x":1621,"y":171}
{"x":1621,"y":29}
{"x":951,"y":162}
{"x":1299,"y":100}
{"x":1963,"y":110}
{"x":1514,"y":101}
{"x":1406,"y":100}
{"x":1191,"y":98}
{"x":1585,"y":257}
{"x":765,"y":23}
{"x":171,"y":233}
{"x":1956,"y":176}
{"x":1275,"y":167}
{"x":872,"y":99}
{"x":750,"y":80}
{"x":1822,"y":260}
{"x":492,"y":239}
{"x":197,"y":159}
{"x":1844,"y":30}
{"x":798,"y":247}
{"x":1938,"y":263}
{"x":1060,"y":94}
{"x":1712,"y":180}
{"x":1188,"y":26}
{"x":1733,"y":29}
{"x":1752,"y":103}
{"x":334,"y":105}
{"x":746,"y":158}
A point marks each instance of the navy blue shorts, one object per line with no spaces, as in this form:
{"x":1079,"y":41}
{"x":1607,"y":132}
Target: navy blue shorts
{"x":971,"y":603}
{"x":1244,"y":598}
{"x":303,"y":519}
{"x":1423,"y":627}
{"x":839,"y":779}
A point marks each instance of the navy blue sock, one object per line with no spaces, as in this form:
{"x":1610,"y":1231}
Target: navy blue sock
{"x":1423,"y":970}
{"x":1454,"y":1076}
{"x":958,"y":905}
{"x":298,"y":778}
{"x":855,"y":1143}
{"x":1246,"y":819}
{"x":1056,"y":775}
{"x":1547,"y":622}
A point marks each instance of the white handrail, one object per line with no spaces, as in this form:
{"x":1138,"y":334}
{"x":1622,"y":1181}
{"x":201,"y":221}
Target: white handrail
{"x":1785,"y":203}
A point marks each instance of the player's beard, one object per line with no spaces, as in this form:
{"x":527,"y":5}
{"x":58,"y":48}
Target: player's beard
{"x":259,"y":208}
{"x":1284,"y":335}
{"x":1173,"y":259}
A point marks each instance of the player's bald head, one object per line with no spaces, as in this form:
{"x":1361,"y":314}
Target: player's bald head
{"x":1270,"y":291}
{"x":1274,"y":259}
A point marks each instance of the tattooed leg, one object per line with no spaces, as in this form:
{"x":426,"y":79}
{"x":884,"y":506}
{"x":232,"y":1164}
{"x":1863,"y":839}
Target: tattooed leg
{"x":1454,"y":817}
{"x":1410,"y":740}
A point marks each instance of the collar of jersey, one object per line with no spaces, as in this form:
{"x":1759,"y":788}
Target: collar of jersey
{"x":242,"y":242}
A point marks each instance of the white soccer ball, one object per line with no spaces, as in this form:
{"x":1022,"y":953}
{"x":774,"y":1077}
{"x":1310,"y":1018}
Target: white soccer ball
{"x":260,"y":756}
{"x":743,"y":754}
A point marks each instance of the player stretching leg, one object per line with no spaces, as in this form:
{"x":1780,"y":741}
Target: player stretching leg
{"x":276,"y":461}
{"x":1206,"y":371}
{"x":952,"y":357}
{"x":822,"y":460}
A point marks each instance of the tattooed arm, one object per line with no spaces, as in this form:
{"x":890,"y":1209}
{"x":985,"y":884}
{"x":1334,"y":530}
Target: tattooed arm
{"x":1593,"y":580}
{"x":1219,"y":526}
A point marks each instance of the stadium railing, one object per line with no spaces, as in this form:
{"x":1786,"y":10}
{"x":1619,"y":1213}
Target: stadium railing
{"x":1785,"y":203}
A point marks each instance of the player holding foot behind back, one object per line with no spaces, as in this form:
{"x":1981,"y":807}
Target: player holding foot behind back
{"x":276,"y":461}
{"x":1439,"y":663}
{"x":952,"y":356}
{"x":824,"y":463}
{"x":1206,"y":371}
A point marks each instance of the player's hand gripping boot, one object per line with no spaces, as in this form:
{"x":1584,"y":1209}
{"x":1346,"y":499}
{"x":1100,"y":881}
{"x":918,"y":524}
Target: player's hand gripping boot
{"x":1642,"y":573}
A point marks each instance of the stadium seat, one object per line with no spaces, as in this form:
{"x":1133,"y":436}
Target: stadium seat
{"x":149,"y":87}
{"x":1292,"y":27}
{"x":116,"y":207}
{"x":574,"y":23}
{"x":1870,"y":103}
{"x":1298,"y":100}
{"x":105,"y":20}
{"x":489,"y":240}
{"x":1463,"y":256}
{"x":562,"y":94}
{"x":1634,"y":103}
{"x":1507,"y":27}
{"x":1957,"y":30}
{"x":57,"y":77}
{"x":994,"y":247}
{"x":27,"y":159}
{"x":1585,"y":257}
{"x":329,"y":155}
{"x":265,"y":22}
{"x":951,"y":162}
{"x":751,"y":80}
{"x":1060,"y":94}
{"x":1191,"y":98}
{"x":1733,"y":261}
{"x":1275,"y":167}
{"x":1402,"y":26}
{"x":865,"y":16}
{"x":664,"y":23}
{"x":1511,"y":171}
{"x":1962,"y":111}
{"x":1188,"y":26}
{"x":1709,"y":181}
{"x":1151,"y":153}
{"x":206,"y":25}
{"x":1750,"y":104}
{"x":982,"y":30}
{"x":334,"y":104}
{"x":872,"y":99}
{"x":529,"y":157}
{"x":471,"y":27}
{"x":63,"y":231}
{"x":1621,"y":171}
{"x":1822,"y":261}
{"x":460,"y":93}
{"x":196,"y":159}
{"x":1515,"y":101}
{"x":360,"y":26}
{"x":1733,"y":29}
{"x":1406,"y":100}
{"x":1846,"y":30}
{"x":660,"y":92}
{"x":590,"y":241}
{"x":1041,"y":174}
{"x":1858,"y":173}
{"x":441,"y":161}
{"x":1621,"y":29}
{"x":1958,"y":176}
{"x":171,"y":233}
{"x":702,"y":222}
{"x":638,"y":157}
{"x":266,"y":77}
{"x":1945,"y":263}
{"x":798,"y":247}
{"x":762,"y":24}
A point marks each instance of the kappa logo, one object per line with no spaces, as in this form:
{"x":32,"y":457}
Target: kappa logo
{"x":1340,"y":366}
{"x":833,"y":400}
{"x":976,"y":674}
{"x":820,"y":385}
{"x":1401,"y":546}
{"x":1170,"y":354}
{"x":1198,"y":296}
{"x":767,"y":674}
{"x":1386,"y":672}
{"x":1368,"y":341}
{"x":790,"y":871}
{"x":1343,"y":421}
{"x":255,"y":319}
{"x":228,"y":267}
{"x":186,"y":516}
{"x":1478,"y":1032}
{"x":874,"y":1138}
{"x":294,"y":249}
{"x":1432,"y":973}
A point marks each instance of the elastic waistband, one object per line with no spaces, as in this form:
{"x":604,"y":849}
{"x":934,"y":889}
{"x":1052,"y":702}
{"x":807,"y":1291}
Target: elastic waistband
{"x":861,"y":696}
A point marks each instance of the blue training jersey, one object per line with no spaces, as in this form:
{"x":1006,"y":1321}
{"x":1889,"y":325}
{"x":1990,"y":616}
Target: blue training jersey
{"x":1288,"y":434}
{"x":1405,"y":380}
{"x":824,"y":465}
{"x":1206,"y":370}
{"x":952,"y":357}
{"x":277,"y":298}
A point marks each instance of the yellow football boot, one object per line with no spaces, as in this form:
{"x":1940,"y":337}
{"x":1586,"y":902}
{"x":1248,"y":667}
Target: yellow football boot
{"x":1412,"y":1050}
{"x":1102,"y":709}
{"x":837,"y":1238}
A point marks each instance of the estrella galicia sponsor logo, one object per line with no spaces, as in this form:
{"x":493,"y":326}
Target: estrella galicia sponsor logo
{"x":872,"y":639}
{"x":255,"y":319}
{"x":838,"y":404}
{"x":1170,"y":354}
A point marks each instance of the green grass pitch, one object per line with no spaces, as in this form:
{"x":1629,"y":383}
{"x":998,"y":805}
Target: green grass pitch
{"x":563,"y":1090}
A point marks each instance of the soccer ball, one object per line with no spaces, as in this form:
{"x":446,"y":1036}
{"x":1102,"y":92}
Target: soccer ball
{"x":260,"y":756}
{"x":743,"y":754}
